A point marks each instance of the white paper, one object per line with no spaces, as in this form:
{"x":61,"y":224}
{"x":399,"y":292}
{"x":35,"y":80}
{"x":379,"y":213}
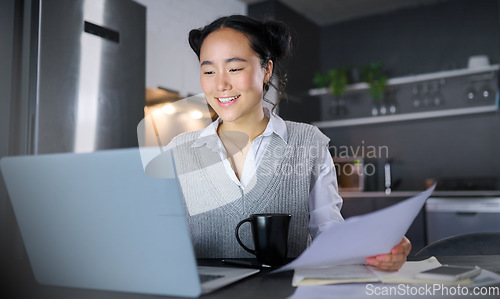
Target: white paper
{"x":363,"y":273}
{"x":408,"y":271}
{"x":352,"y":241}
{"x":361,"y":290}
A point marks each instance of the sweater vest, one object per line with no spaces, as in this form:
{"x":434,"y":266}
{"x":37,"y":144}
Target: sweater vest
{"x":281,"y":184}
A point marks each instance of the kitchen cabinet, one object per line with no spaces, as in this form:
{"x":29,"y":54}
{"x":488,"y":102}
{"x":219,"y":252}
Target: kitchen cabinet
{"x":354,"y":206}
{"x":468,"y":215}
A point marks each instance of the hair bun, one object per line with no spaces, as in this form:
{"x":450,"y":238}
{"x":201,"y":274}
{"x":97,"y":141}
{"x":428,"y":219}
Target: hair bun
{"x":280,"y":40}
{"x":194,"y":40}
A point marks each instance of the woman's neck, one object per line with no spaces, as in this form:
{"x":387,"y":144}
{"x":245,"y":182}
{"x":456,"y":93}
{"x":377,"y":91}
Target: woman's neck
{"x":251,"y":126}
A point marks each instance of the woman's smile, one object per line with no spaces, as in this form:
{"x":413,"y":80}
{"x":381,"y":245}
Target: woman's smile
{"x":226,"y":101}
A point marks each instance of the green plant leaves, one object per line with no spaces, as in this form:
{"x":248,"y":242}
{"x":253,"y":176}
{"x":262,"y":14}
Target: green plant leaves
{"x":372,"y":74}
{"x":335,"y":79}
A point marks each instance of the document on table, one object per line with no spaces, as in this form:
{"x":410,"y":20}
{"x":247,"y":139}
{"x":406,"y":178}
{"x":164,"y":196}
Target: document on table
{"x":362,"y":273}
{"x":352,"y":241}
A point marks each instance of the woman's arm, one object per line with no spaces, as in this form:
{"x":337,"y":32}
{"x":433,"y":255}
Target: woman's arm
{"x":324,"y":199}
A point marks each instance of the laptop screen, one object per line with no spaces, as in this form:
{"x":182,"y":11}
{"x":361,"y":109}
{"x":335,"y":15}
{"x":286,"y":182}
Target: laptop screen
{"x":96,"y":220}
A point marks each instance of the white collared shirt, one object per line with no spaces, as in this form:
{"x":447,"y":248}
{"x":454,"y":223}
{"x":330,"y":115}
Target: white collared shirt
{"x":324,"y":200}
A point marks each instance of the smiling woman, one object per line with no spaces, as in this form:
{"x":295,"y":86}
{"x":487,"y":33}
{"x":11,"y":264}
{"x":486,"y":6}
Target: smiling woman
{"x":250,"y":161}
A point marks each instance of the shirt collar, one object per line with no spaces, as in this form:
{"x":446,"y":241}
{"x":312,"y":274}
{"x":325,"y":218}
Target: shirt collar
{"x":209,"y":135}
{"x":275,"y":125}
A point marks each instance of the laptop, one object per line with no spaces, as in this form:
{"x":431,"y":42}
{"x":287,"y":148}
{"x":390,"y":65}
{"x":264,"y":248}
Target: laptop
{"x":97,"y":221}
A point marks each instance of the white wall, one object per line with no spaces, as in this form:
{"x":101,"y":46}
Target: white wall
{"x":170,"y":62}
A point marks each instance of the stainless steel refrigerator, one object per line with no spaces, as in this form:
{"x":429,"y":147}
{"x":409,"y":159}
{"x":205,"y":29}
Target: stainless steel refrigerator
{"x":73,"y":80}
{"x":83,"y":75}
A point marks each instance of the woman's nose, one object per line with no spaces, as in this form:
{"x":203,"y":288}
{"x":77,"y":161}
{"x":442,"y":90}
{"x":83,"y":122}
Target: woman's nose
{"x":222,"y":82}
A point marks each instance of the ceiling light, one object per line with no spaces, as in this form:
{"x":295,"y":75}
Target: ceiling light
{"x":168,"y":109}
{"x":196,"y":114}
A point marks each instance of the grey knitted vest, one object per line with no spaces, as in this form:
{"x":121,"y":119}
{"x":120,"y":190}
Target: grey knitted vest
{"x":282,"y":183}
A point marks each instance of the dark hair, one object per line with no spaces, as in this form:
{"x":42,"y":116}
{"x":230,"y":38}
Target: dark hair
{"x":270,"y":39}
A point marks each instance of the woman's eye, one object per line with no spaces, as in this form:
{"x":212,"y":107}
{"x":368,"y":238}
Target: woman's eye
{"x":208,"y":73}
{"x":235,"y":70}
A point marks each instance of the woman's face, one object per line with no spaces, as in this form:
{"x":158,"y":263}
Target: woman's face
{"x":231,"y":75}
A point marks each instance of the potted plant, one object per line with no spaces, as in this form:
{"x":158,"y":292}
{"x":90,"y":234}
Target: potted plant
{"x":336,"y":81}
{"x":372,"y":74}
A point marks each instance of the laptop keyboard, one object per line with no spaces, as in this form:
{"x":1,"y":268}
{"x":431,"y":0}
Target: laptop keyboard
{"x":208,"y":277}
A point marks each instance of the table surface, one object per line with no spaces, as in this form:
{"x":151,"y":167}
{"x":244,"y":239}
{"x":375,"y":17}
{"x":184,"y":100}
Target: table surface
{"x":261,"y":285}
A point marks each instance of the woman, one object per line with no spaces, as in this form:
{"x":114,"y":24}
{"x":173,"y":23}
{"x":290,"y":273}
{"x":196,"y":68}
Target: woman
{"x":249,"y":160}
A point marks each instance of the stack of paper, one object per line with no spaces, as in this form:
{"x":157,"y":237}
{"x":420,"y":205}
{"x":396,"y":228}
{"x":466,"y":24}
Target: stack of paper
{"x":363,"y":273}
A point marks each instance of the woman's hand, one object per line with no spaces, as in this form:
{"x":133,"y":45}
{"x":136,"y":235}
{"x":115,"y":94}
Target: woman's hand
{"x":391,"y":261}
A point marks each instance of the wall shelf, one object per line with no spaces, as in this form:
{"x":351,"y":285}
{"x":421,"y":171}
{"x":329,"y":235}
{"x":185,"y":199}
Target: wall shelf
{"x":403,"y":117}
{"x":412,"y":79}
{"x":412,"y":114}
{"x":405,"y":194}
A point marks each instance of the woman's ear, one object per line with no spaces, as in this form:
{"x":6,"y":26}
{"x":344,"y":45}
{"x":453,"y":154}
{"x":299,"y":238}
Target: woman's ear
{"x":268,"y":71}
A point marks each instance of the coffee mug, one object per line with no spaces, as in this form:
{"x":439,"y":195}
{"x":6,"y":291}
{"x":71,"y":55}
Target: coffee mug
{"x":270,"y":237}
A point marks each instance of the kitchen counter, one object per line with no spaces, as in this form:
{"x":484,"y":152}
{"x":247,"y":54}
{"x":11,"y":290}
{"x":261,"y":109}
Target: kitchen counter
{"x":381,"y":194}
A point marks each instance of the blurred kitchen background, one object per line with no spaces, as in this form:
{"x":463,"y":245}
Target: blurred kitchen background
{"x":79,"y":75}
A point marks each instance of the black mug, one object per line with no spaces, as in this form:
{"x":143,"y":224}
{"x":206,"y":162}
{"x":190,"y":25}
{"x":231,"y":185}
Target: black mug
{"x":270,"y":237}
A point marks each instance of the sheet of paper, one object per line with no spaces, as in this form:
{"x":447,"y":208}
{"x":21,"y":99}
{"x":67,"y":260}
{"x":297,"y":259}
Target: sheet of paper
{"x":343,"y":291}
{"x":334,"y":274}
{"x":408,"y":271}
{"x":359,"y":237}
{"x":362,"y":273}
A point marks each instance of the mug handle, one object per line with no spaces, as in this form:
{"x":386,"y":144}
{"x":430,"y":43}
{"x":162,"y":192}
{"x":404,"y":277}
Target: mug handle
{"x":236,"y":232}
